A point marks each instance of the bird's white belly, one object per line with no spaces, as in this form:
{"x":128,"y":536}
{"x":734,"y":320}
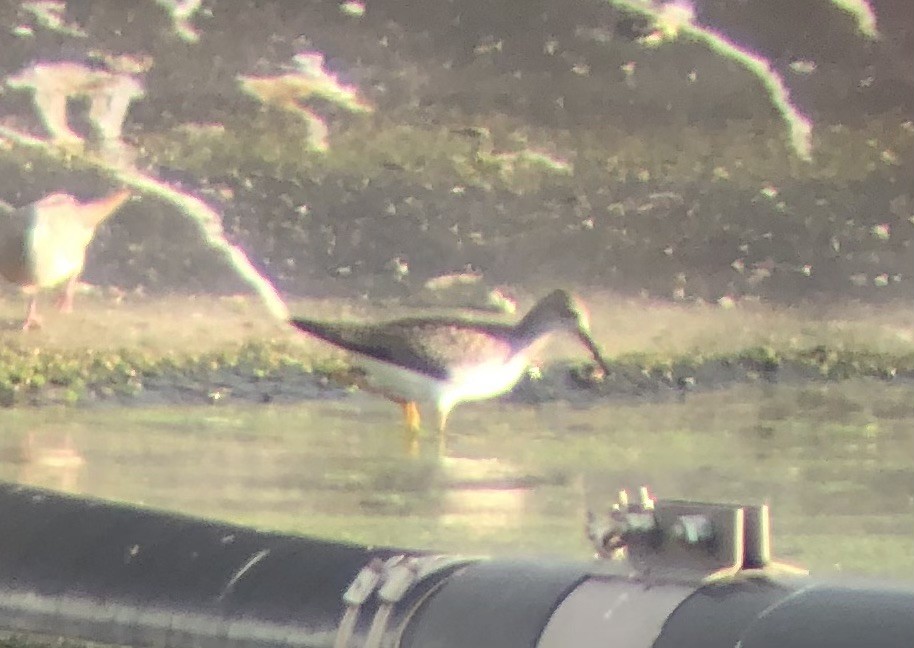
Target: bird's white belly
{"x":57,"y":252}
{"x":397,"y":382}
{"x":467,"y":383}
{"x":486,"y":380}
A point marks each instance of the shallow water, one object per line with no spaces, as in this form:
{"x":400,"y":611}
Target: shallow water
{"x":834,"y":461}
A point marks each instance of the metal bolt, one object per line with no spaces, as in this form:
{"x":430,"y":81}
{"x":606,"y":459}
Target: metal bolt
{"x":693,"y":529}
{"x":398,"y":579}
{"x":622,"y":502}
{"x":640,"y":521}
{"x":645,"y":499}
{"x":364,"y":583}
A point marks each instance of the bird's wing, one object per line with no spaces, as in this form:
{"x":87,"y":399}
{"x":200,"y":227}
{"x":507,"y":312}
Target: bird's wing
{"x":432,"y":347}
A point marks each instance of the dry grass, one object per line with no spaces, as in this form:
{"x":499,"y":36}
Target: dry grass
{"x":647,"y":326}
{"x":168,"y":324}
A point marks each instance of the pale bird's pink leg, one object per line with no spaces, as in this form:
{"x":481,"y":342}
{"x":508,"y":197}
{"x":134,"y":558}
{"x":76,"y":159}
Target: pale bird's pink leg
{"x":31,"y":315}
{"x":65,"y":299}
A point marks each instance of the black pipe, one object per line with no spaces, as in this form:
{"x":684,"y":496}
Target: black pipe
{"x":117,"y":574}
{"x":110,"y":573}
{"x":838,"y":617}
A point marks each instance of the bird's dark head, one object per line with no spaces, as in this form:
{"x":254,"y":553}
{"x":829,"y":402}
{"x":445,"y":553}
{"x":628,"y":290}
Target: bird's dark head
{"x":557,"y":311}
{"x":562,"y":311}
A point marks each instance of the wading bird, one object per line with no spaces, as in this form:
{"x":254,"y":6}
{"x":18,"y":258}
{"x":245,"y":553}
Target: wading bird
{"x":44,"y":244}
{"x":443,"y":361}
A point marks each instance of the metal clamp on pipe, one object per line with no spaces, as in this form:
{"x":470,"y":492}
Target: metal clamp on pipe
{"x":389,"y":580}
{"x":681,"y":541}
{"x":355,"y":595}
{"x":399,"y":576}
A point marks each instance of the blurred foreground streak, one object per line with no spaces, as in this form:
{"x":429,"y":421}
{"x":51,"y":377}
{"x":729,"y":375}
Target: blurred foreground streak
{"x":207,"y":220}
{"x":677,"y":19}
{"x":308,"y":80}
{"x":44,"y":244}
{"x":109,"y":91}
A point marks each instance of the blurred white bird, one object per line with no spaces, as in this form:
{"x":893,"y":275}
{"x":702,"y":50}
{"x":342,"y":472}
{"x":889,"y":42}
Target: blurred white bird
{"x":43,"y":245}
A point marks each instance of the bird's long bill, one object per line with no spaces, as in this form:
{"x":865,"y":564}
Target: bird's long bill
{"x":95,"y":211}
{"x":591,"y":345}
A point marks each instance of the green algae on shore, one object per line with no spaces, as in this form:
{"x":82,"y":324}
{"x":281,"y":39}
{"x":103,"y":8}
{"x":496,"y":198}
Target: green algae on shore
{"x":142,"y":350}
{"x":260,"y":371}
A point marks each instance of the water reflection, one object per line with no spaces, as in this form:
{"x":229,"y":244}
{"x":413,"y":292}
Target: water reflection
{"x":483,"y":496}
{"x":834,"y":461}
{"x":46,"y":456}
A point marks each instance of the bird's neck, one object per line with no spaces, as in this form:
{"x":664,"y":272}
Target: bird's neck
{"x":531,"y":329}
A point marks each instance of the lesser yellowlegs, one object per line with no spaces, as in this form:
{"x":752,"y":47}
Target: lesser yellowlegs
{"x":44,"y":244}
{"x":443,"y":361}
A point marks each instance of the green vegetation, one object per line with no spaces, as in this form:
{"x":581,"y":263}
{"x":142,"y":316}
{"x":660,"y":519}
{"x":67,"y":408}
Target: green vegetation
{"x":134,"y":349}
{"x":35,"y":376}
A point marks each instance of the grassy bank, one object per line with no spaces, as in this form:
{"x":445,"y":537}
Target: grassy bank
{"x":136,"y":350}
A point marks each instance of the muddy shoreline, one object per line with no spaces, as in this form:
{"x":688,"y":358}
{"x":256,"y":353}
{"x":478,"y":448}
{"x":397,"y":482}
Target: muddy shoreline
{"x":234,"y":378}
{"x":134,"y":351}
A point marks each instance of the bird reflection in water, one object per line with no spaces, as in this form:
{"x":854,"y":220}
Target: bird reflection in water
{"x":48,"y":458}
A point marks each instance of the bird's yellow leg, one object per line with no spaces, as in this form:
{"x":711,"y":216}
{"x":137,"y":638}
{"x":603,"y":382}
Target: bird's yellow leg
{"x":413,"y":422}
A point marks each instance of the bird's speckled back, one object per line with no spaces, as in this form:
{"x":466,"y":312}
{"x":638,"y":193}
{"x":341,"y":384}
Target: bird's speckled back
{"x":429,"y":345}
